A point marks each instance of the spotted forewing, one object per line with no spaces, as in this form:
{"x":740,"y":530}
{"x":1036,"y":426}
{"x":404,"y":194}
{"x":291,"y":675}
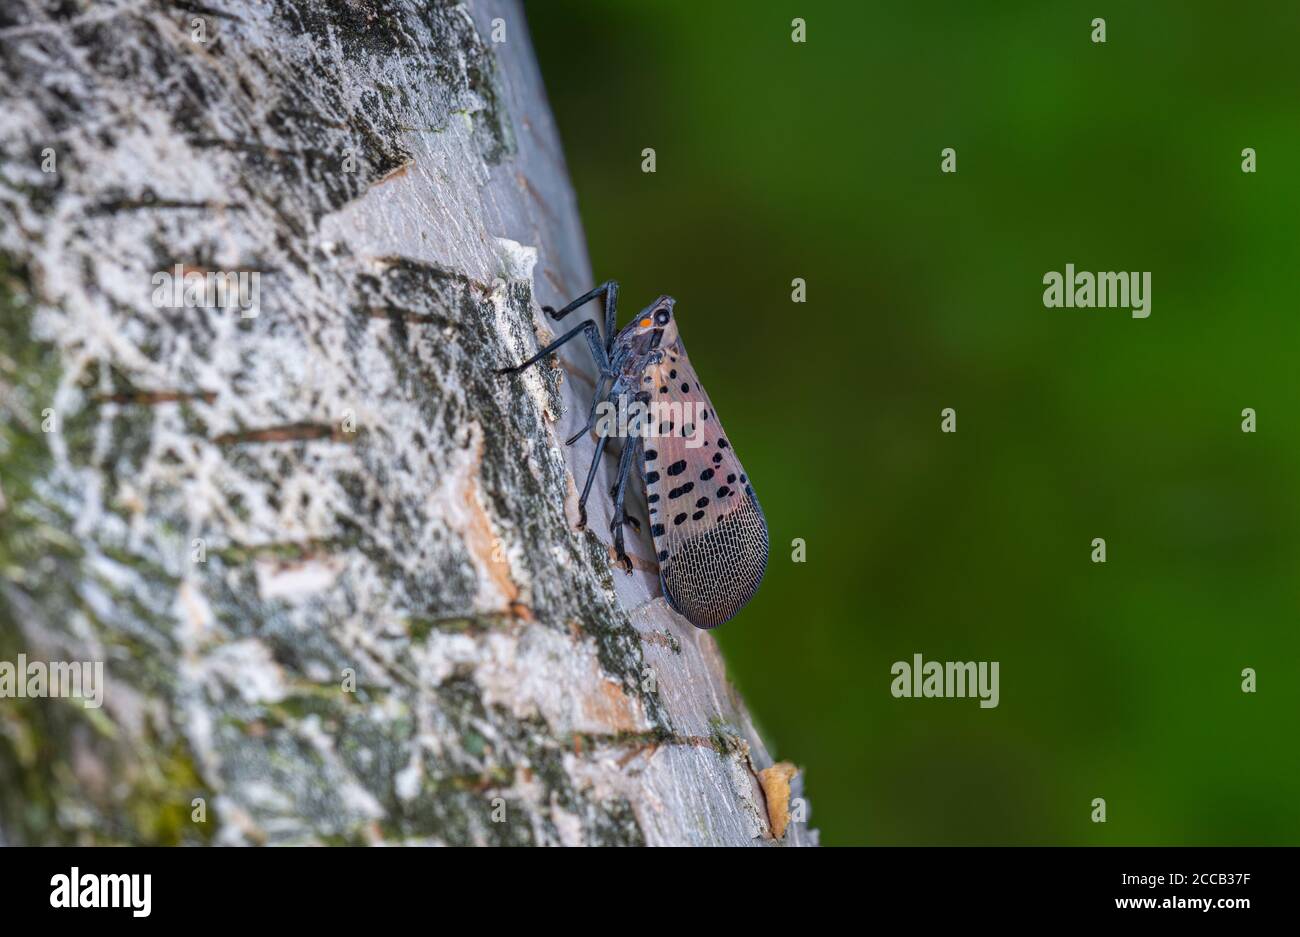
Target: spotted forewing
{"x":709,"y":532}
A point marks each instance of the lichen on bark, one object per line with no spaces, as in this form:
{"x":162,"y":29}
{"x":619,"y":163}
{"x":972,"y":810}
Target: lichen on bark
{"x":325,"y":553}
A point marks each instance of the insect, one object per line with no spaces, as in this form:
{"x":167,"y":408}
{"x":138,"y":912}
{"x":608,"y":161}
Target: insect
{"x":709,"y":532}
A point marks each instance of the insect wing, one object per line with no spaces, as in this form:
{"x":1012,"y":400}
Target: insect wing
{"x":709,"y":531}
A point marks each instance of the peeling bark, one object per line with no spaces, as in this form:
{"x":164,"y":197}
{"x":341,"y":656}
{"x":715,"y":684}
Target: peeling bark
{"x":235,"y":513}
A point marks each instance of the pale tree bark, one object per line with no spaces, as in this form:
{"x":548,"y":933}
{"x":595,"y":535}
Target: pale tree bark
{"x":238,"y":513}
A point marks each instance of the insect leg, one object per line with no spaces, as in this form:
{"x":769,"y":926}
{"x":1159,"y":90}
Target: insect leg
{"x":630,"y":519}
{"x":643,"y":398}
{"x":593,"y":339}
{"x":631,"y":449}
{"x":591,"y":477}
{"x":609,"y":289}
{"x":591,"y":416}
{"x":637,"y":429}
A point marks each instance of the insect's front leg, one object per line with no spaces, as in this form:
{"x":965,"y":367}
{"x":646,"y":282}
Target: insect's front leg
{"x":609,"y":290}
{"x":593,"y":341}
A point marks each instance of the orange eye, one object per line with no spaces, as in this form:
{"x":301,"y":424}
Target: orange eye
{"x":645,"y":323}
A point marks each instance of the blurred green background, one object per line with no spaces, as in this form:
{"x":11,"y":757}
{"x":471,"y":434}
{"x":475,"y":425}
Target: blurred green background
{"x":821,"y":160}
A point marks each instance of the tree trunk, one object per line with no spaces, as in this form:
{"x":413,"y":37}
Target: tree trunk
{"x":325,"y":553}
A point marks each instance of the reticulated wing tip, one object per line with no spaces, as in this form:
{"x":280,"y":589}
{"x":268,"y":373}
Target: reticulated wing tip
{"x":717,"y":570}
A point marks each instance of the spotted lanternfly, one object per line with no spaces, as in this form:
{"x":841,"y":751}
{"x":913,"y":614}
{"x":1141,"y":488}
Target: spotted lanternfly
{"x":709,"y":531}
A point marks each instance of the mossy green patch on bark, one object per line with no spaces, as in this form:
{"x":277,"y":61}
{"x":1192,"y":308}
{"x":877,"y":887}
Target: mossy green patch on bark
{"x":59,"y":760}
